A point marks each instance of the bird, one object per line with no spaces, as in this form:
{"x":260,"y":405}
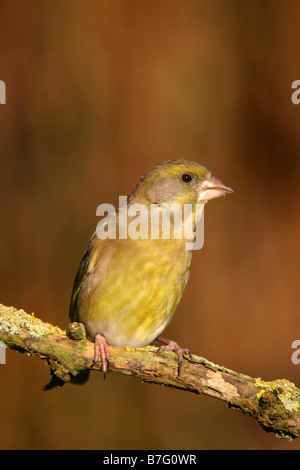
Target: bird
{"x":127,"y":288}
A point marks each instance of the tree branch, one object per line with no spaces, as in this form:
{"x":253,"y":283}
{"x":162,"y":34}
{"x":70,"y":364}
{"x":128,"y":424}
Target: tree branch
{"x":275,"y":405}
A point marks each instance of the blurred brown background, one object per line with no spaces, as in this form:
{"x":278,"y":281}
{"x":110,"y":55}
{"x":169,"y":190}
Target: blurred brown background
{"x":97,"y":93}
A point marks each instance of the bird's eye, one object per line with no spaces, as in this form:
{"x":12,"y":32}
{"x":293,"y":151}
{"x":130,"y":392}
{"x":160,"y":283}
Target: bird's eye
{"x":186,"y":177}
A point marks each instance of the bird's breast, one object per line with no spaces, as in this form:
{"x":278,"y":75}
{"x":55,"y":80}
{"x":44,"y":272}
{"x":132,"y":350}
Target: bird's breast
{"x":135,"y":296}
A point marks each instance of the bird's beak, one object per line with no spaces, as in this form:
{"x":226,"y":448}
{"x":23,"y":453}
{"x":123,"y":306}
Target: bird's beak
{"x":211,"y":188}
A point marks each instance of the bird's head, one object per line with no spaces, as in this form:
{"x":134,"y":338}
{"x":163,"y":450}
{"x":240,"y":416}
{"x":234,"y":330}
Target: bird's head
{"x":178,"y":181}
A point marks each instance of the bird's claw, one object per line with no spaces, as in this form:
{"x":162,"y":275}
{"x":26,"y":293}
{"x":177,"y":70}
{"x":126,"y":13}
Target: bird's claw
{"x":174,"y":347}
{"x":102,"y":351}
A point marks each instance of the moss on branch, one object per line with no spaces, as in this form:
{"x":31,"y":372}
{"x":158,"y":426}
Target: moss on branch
{"x":275,"y":405}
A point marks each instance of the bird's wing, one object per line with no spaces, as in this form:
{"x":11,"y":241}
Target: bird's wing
{"x":85,"y":267}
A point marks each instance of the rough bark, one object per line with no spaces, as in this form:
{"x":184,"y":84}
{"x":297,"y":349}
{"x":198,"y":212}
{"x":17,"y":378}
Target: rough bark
{"x":275,"y":405}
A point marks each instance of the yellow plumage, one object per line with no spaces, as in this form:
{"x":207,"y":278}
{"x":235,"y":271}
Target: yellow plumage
{"x":127,"y":290}
{"x":132,"y":300}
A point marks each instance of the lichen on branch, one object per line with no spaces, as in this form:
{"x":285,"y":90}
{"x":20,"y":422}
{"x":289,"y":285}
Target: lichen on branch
{"x":274,"y":404}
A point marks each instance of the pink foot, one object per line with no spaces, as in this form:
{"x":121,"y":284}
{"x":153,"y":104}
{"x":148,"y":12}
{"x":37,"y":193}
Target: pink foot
{"x":174,"y":347}
{"x":102,"y":350}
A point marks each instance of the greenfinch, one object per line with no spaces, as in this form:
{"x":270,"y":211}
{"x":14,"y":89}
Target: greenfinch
{"x":127,"y":288}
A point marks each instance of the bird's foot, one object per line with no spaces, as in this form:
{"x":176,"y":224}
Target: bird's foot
{"x":171,"y":345}
{"x":102,"y":351}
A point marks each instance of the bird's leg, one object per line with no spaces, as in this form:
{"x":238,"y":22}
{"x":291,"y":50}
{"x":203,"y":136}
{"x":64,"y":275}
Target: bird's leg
{"x":171,"y":345}
{"x":102,"y":350}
